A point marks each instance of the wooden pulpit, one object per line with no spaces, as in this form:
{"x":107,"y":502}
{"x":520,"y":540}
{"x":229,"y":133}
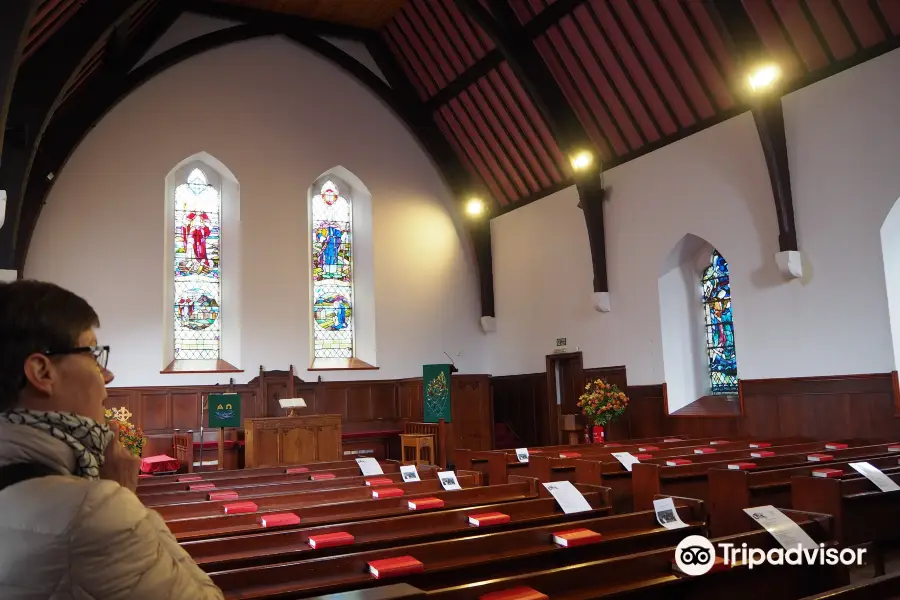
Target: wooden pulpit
{"x":274,"y":441}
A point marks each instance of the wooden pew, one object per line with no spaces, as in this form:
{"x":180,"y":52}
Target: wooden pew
{"x":282,"y":546}
{"x":241,"y":479}
{"x":650,"y":576}
{"x":730,"y":491}
{"x":651,"y":478}
{"x":470,"y":459}
{"x":862,"y":513}
{"x":597,"y":467}
{"x":885,"y":587}
{"x":453,"y":561}
{"x":520,"y":488}
{"x":497,"y":467}
{"x":241,"y":473}
{"x":494,"y":463}
{"x":342,"y":479}
{"x":292,"y":501}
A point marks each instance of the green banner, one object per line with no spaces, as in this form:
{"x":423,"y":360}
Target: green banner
{"x":224,"y":410}
{"x":436,"y":392}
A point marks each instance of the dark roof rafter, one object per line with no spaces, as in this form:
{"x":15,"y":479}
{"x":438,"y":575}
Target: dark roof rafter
{"x":15,"y":18}
{"x":39,"y":87}
{"x":269,"y":20}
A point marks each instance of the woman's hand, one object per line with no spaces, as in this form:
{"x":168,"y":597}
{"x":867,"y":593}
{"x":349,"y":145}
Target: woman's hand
{"x":120,"y":465}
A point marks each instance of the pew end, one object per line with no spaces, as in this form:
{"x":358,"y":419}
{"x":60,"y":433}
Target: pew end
{"x":729,"y":494}
{"x":476,"y":477}
{"x":645,"y":484}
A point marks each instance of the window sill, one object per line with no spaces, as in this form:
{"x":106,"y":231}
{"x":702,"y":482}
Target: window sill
{"x":341,"y":364}
{"x":712,"y":406}
{"x":200,"y":366}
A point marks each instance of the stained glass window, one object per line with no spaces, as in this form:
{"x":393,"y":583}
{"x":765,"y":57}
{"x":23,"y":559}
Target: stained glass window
{"x":197,"y":271}
{"x":716,"y":286}
{"x":332,"y":273}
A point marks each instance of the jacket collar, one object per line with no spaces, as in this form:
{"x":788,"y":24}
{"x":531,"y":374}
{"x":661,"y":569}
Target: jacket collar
{"x":20,"y":443}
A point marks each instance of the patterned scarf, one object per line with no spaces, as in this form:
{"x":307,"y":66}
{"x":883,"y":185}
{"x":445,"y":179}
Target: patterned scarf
{"x":87,"y":438}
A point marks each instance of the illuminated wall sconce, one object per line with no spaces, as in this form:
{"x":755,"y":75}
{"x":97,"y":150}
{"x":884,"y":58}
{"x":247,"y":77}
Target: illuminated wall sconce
{"x":475,"y":207}
{"x":763,"y":78}
{"x":582,"y":160}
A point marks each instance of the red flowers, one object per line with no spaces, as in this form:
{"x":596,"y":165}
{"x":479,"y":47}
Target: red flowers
{"x":602,"y":402}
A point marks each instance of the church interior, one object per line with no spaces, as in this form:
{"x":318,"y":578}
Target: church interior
{"x":328,"y":242}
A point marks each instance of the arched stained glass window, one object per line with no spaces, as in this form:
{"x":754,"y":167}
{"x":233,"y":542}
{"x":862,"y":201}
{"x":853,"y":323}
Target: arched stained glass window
{"x":332,"y":273}
{"x":197,"y":286}
{"x":716,"y":290}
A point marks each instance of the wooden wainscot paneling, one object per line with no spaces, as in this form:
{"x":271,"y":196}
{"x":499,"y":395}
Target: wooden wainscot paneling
{"x":832,"y":407}
{"x":645,"y":415}
{"x":471,"y":413}
{"x":841,"y":406}
{"x":895,"y":387}
{"x":516,"y":401}
{"x":372,"y":412}
{"x":411,"y":399}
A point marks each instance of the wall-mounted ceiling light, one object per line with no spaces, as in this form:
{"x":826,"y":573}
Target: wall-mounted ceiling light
{"x":582,"y":160}
{"x":762,"y":78}
{"x":475,"y":206}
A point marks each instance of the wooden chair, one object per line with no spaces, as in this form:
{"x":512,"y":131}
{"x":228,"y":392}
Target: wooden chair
{"x":419,"y":443}
{"x":438,"y":431}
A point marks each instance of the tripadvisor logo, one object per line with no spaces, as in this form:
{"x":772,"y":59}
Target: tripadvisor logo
{"x":696,"y":555}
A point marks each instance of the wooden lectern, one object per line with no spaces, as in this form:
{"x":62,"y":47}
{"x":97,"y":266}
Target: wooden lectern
{"x":274,"y":441}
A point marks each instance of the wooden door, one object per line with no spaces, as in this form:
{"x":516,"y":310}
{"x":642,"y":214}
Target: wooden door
{"x":565,"y":382}
{"x":298,"y":445}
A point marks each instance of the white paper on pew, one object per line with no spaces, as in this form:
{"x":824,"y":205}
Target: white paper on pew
{"x":874,"y":474}
{"x":785,"y":531}
{"x":626,"y":458}
{"x":568,"y":498}
{"x":449,"y":480}
{"x":369,"y":466}
{"x":409,"y":473}
{"x":666,"y":514}
{"x":522,"y":454}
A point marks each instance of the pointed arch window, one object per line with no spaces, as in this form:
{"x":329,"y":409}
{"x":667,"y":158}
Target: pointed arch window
{"x":332,"y":273}
{"x":716,"y":295}
{"x":197,"y":274}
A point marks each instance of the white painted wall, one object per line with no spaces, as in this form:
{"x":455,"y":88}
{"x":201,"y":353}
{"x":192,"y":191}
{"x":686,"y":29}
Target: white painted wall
{"x":277,"y":116}
{"x":844,"y":142}
{"x":682,"y":324}
{"x":890,"y":249}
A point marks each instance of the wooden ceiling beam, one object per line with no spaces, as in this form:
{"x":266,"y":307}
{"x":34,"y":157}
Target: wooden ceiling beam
{"x":516,"y":43}
{"x":748,"y":48}
{"x":16,"y":17}
{"x":278,"y":21}
{"x":526,"y":62}
{"x":82,"y":110}
{"x":419,"y":118}
{"x":40,"y":85}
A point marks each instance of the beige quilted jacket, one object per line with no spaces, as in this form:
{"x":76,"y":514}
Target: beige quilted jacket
{"x":63,"y":537}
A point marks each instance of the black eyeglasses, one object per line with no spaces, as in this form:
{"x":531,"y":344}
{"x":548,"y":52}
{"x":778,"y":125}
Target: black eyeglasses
{"x":101,"y":353}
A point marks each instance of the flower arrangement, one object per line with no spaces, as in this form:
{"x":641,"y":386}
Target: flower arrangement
{"x":602,"y":402}
{"x":130,"y":436}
